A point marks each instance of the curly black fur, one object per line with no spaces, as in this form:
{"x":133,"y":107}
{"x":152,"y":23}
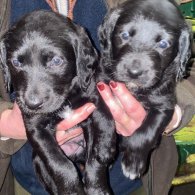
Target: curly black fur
{"x":146,"y":45}
{"x":50,"y":61}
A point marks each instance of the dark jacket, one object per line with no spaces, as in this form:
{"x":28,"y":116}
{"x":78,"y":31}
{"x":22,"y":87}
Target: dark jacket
{"x":10,"y":146}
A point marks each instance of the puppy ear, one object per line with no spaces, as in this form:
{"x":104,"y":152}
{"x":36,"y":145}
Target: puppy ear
{"x":86,"y":58}
{"x":184,"y":52}
{"x":3,"y":65}
{"x":105,"y":32}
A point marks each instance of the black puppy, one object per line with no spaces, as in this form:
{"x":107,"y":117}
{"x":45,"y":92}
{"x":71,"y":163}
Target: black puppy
{"x":50,"y":61}
{"x":146,"y":45}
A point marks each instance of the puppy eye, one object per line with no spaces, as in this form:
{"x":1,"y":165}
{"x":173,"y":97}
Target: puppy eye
{"x":125,"y":35}
{"x":163,"y":44}
{"x":16,"y":63}
{"x":56,"y":61}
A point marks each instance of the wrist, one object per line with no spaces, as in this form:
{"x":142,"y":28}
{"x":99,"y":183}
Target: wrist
{"x":176,"y":119}
{"x":4,"y":124}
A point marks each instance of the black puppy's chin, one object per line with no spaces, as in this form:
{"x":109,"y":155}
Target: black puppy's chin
{"x":144,"y":81}
{"x":47,"y":107}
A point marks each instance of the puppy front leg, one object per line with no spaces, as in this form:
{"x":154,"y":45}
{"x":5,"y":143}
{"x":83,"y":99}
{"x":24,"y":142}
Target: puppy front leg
{"x":137,"y":148}
{"x":57,"y":172}
{"x":101,"y":151}
{"x":96,"y":178}
{"x":43,"y":173}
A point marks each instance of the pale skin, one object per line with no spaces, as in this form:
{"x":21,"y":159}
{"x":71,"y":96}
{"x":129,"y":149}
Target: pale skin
{"x":127,"y":112}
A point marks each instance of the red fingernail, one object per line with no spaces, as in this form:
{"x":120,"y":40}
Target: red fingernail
{"x":113,"y":84}
{"x":100,"y":86}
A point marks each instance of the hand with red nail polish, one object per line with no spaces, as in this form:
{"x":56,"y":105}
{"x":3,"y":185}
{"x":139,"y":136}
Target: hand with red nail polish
{"x":127,"y":112}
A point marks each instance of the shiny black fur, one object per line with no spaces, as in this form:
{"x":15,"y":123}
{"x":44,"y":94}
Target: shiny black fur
{"x":145,"y":44}
{"x":43,"y":87}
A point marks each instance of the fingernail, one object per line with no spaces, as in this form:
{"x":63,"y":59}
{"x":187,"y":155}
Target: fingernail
{"x":100,"y":86}
{"x":113,"y":84}
{"x":91,"y":108}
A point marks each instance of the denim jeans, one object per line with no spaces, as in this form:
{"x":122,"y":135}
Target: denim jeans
{"x":21,"y":7}
{"x":22,"y":168}
{"x":88,"y":14}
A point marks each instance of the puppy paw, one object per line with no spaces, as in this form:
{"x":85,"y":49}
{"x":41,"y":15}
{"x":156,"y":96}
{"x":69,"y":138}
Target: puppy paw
{"x":132,"y":166}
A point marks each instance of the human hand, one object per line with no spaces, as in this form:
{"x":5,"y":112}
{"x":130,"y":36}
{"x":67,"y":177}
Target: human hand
{"x":127,"y":112}
{"x":63,"y":134}
{"x":11,"y":124}
{"x":174,"y":123}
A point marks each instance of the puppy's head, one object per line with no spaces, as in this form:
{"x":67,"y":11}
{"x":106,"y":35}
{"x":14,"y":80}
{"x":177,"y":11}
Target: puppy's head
{"x":44,"y":56}
{"x":144,"y":40}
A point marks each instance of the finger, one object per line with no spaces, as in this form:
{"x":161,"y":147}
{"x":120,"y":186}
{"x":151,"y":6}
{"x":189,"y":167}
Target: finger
{"x":76,"y":117}
{"x":109,"y":99}
{"x":64,"y":136}
{"x":117,"y":111}
{"x":123,"y":113}
{"x":176,"y":119}
{"x":132,"y":107}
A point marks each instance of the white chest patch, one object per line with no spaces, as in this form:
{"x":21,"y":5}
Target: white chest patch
{"x":66,"y":113}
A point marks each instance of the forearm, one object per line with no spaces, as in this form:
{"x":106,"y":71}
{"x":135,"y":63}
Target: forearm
{"x":4,"y":124}
{"x":4,"y":106}
{"x":185,"y":92}
{"x":10,"y":146}
{"x":186,"y":101}
{"x":11,"y":123}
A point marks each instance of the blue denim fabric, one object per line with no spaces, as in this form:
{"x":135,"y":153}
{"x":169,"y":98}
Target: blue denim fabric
{"x":119,"y":183}
{"x":88,"y":14}
{"x":21,"y":7}
{"x":22,"y":168}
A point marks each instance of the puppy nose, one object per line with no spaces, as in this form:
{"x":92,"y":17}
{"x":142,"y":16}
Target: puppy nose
{"x":135,"y":70}
{"x":33,"y":102}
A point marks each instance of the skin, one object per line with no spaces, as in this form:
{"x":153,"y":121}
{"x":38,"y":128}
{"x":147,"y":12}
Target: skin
{"x":127,"y":112}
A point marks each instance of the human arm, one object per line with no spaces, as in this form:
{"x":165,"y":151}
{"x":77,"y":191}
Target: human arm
{"x":127,"y":112}
{"x":128,"y":118}
{"x":11,"y":123}
{"x":12,"y":126}
{"x":7,"y":147}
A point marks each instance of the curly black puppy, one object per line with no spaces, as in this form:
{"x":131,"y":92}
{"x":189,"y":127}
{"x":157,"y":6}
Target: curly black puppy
{"x":51,"y":63}
{"x":146,"y":45}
